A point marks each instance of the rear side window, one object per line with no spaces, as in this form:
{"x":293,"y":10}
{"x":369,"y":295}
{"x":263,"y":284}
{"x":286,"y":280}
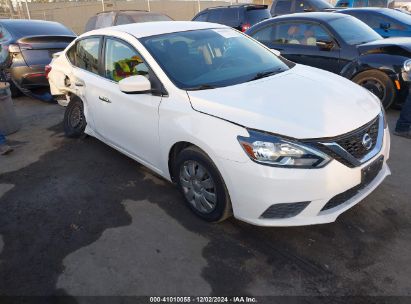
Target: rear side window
{"x":283,"y":7}
{"x":123,"y":19}
{"x":122,"y":61}
{"x":85,"y":54}
{"x":230,"y":17}
{"x":215,"y":15}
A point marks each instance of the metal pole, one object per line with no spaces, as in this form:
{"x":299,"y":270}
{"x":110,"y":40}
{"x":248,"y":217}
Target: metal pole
{"x":148,"y":5}
{"x":28,"y":11}
{"x":199,"y":7}
{"x":102,"y":3}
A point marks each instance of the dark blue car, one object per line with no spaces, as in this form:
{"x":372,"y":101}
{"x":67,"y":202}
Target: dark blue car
{"x":386,"y":22}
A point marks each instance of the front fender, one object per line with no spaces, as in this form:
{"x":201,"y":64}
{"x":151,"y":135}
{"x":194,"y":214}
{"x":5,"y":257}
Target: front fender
{"x":389,"y":64}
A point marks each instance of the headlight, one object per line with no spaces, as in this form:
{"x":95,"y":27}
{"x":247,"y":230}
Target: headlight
{"x":274,"y":151}
{"x":407,"y":65}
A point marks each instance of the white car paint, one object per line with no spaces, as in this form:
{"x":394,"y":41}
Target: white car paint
{"x":302,"y":103}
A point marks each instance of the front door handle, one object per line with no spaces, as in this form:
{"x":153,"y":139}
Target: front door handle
{"x":105,"y":99}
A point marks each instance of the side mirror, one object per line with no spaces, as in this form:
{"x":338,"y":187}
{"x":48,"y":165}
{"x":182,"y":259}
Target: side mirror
{"x":276,"y":52}
{"x":137,"y":84}
{"x":385,"y":26}
{"x":308,"y":9}
{"x":325,"y":45}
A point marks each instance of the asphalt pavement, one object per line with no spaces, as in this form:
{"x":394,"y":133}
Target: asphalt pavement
{"x":79,"y":218}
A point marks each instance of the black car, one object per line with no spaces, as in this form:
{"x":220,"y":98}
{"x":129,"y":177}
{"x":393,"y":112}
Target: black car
{"x":111,"y":18}
{"x":343,"y":45}
{"x":385,"y":21}
{"x":283,"y":7}
{"x":240,"y":17}
{"x":26,"y":47}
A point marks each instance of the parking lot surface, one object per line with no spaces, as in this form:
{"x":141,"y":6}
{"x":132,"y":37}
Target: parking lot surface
{"x":79,"y":218}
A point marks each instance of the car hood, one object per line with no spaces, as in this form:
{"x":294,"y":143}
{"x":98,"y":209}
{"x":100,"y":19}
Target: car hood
{"x":302,"y":103}
{"x":393,"y":46}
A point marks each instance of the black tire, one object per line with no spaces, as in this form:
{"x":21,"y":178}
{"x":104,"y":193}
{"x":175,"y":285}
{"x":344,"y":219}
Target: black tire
{"x":74,"y":119}
{"x":15,"y":92}
{"x":378,"y":83}
{"x":222,"y":206}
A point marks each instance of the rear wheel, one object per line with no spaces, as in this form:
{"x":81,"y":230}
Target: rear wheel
{"x":74,"y":119}
{"x":379,"y":84}
{"x":202,"y":185}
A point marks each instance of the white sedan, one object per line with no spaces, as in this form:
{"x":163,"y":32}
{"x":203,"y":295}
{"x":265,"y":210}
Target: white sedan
{"x":238,"y":128}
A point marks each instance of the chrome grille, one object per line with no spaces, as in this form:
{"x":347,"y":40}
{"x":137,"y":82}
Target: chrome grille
{"x":353,"y":142}
{"x":349,"y":150}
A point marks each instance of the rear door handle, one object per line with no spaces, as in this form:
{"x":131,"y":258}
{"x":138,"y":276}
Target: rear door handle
{"x":105,"y":99}
{"x":79,"y":83}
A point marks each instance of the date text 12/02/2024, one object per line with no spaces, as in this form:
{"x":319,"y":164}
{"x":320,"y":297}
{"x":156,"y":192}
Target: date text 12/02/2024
{"x":239,"y":299}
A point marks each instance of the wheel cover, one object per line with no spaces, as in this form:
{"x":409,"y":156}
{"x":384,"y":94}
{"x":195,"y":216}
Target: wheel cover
{"x":198,"y":186}
{"x":374,"y":86}
{"x":76,"y":117}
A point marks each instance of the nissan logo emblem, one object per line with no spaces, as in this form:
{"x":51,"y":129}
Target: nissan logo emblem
{"x":367,"y":141}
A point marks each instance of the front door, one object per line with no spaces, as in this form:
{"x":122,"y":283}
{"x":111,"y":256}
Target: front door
{"x":298,"y":42}
{"x":128,"y":121}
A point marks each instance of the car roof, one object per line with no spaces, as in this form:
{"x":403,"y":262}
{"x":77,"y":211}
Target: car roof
{"x":262,"y":6}
{"x":127,"y":11}
{"x":145,"y":29}
{"x":26,"y":22}
{"x":313,"y":16}
{"x":364,"y":9}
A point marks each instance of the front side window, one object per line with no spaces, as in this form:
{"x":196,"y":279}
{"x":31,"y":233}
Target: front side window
{"x":85,"y":54}
{"x":201,"y":59}
{"x":300,"y":33}
{"x":353,"y":31}
{"x":122,"y":61}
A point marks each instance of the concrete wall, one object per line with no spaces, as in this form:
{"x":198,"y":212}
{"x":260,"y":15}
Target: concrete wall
{"x":75,"y":14}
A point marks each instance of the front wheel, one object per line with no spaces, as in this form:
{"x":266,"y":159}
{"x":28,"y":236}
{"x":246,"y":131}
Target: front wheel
{"x":74,"y":119}
{"x":379,"y":84}
{"x":201,"y":184}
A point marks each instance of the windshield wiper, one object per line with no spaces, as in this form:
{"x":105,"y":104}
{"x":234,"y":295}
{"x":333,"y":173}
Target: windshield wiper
{"x":201,"y":87}
{"x":265,"y":74}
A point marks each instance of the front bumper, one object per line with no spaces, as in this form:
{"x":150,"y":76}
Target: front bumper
{"x":253,"y":188}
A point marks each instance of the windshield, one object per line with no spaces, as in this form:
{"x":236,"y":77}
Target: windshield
{"x":398,"y":16}
{"x":204,"y":59}
{"x":353,"y":31}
